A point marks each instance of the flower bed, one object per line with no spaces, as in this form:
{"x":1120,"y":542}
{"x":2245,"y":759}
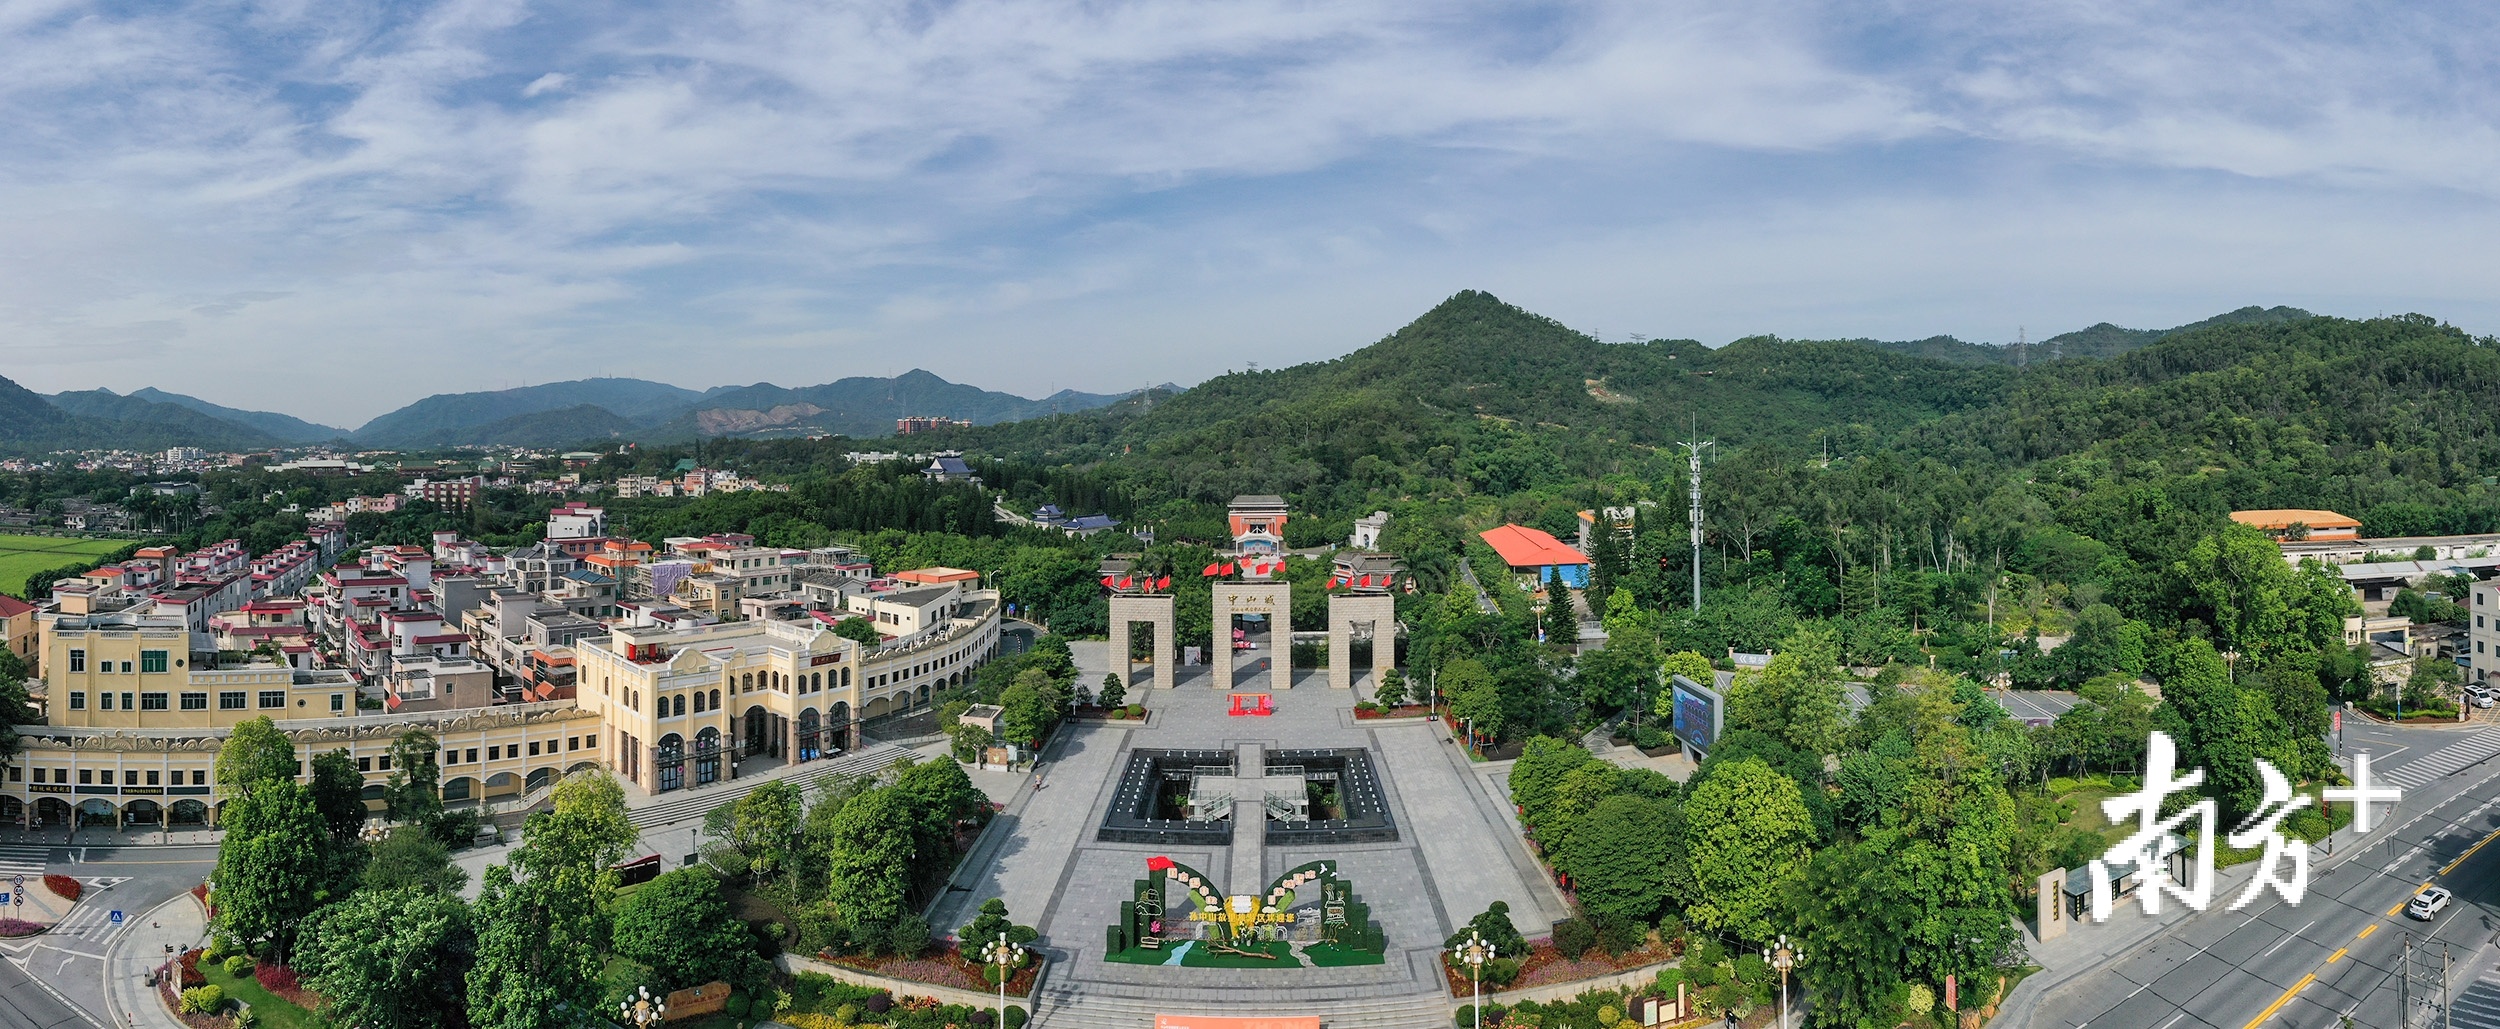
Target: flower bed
{"x":191,"y":976}
{"x":173,"y":1006}
{"x":280,"y":981}
{"x":12,"y":928}
{"x":1547,"y":965}
{"x":1123,"y":713}
{"x":1368,"y":710}
{"x":64,"y":887}
{"x":942,"y":966}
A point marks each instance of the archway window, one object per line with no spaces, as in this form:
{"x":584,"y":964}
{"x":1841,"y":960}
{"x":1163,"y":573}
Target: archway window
{"x":811,"y":731}
{"x":681,"y":703}
{"x":671,"y":762}
{"x":716,"y":700}
{"x":750,"y":683}
{"x":707,"y":757}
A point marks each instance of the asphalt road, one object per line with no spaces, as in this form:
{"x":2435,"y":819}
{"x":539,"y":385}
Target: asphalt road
{"x":2336,"y":953}
{"x":67,"y":964}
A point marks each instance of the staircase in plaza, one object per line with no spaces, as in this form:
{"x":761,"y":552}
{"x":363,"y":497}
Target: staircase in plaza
{"x":1095,"y":1005}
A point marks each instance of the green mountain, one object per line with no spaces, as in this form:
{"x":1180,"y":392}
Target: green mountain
{"x":140,"y":423}
{"x":1475,"y":386}
{"x":579,"y":424}
{"x":453,"y":418}
{"x":25,"y":416}
{"x":285,"y":427}
{"x":2102,"y":340}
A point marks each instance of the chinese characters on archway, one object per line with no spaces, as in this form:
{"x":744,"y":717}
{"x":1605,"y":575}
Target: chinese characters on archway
{"x":2145,"y":853}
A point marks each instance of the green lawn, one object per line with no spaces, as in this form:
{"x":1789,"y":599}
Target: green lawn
{"x":23,"y":556}
{"x":274,"y":1012}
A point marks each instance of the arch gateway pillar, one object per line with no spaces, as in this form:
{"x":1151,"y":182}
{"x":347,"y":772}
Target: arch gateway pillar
{"x":1273,"y":599}
{"x":1374,"y":615}
{"x":1156,"y":611}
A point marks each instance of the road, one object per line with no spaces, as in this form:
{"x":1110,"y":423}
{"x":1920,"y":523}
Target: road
{"x":2335,"y":955}
{"x":67,"y":964}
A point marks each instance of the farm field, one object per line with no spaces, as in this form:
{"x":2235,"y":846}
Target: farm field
{"x":23,"y":556}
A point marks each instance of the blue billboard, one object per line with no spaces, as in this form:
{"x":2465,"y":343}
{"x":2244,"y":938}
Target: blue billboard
{"x":1697,"y":714}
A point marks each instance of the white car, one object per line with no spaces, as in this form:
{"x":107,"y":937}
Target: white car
{"x":2427,"y":903}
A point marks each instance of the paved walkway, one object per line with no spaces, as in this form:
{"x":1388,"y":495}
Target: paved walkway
{"x":142,"y":948}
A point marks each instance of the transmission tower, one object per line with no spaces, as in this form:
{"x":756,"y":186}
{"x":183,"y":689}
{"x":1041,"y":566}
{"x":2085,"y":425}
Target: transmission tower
{"x":1693,"y":451}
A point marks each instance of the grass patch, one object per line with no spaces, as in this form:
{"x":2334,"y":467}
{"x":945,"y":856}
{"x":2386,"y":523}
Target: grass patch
{"x":22,"y":557}
{"x":274,"y":1010}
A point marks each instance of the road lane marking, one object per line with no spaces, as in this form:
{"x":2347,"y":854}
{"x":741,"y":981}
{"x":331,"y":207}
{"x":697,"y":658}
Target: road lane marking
{"x":2469,"y":851}
{"x":2367,"y":930}
{"x":2294,"y":936}
{"x":2391,"y":912}
{"x":2338,"y":955}
{"x":2174,"y":1020}
{"x":2286,"y":998}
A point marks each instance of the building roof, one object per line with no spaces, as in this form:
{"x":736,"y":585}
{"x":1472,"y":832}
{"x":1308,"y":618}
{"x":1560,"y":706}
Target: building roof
{"x":2285,"y":517}
{"x":1257,"y":500}
{"x":1091,"y":523}
{"x":936,"y":575}
{"x":1523,"y":547}
{"x":11,"y":607}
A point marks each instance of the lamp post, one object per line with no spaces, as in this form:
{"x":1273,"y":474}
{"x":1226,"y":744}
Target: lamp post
{"x":641,"y":1009}
{"x":1006,"y":956}
{"x":1475,"y":952}
{"x":1783,"y":956}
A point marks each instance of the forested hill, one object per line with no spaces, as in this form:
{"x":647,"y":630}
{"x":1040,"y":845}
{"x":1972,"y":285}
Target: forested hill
{"x":1472,"y":383}
{"x":2102,"y":340}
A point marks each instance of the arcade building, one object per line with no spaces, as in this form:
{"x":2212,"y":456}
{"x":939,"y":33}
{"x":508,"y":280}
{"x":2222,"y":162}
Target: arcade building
{"x":136,"y":706}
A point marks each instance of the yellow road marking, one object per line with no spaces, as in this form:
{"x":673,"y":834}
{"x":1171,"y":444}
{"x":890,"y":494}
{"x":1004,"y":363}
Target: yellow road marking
{"x":2338,"y":955}
{"x":2391,"y":912}
{"x":2469,"y":852}
{"x":2286,"y":998}
{"x":2367,"y":930}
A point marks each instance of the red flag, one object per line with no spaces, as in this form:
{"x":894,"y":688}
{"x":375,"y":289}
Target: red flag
{"x":1212,"y":571}
{"x":1228,"y":568}
{"x":1367,"y":581}
{"x":1158,"y":863}
{"x":1124,"y":582}
{"x":1165,"y":583}
{"x":1109,"y":583}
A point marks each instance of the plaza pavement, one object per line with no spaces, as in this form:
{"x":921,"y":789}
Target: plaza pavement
{"x":1458,"y":850}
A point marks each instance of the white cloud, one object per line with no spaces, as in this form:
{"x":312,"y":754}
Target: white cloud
{"x":404,"y":199}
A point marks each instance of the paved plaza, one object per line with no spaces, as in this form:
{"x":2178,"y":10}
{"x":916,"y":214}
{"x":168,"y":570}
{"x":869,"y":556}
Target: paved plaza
{"x":1458,"y":851}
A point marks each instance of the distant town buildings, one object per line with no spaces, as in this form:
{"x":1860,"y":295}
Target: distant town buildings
{"x":2300,"y":524}
{"x":925,"y":423}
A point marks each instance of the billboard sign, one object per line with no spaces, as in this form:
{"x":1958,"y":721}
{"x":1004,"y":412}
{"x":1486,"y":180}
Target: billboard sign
{"x":1699,"y":711}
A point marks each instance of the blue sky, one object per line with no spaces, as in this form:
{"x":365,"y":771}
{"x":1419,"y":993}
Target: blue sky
{"x":332,"y":208}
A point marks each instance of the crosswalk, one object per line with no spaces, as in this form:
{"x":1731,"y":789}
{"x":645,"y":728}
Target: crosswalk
{"x":2478,"y":1007}
{"x":23,"y":860}
{"x":92,"y":919}
{"x":2447,"y":760}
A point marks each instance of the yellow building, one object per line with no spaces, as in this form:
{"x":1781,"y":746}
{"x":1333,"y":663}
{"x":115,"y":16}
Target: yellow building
{"x":134,"y":715}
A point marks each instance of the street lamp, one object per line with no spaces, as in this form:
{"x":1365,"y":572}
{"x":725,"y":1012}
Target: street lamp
{"x":641,"y":1009}
{"x":1475,"y":952}
{"x":1006,"y":956}
{"x":1783,"y":957}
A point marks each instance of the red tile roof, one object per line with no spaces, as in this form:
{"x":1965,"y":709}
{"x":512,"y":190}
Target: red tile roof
{"x":1523,"y":547}
{"x":11,"y":607}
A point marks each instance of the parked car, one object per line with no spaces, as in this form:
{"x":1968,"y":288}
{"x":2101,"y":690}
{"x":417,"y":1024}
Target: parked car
{"x":2428,"y":903}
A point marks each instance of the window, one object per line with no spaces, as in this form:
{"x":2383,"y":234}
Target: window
{"x":386,"y":762}
{"x":338,"y":702}
{"x":152,"y":779}
{"x":86,"y":777}
{"x":125,"y":668}
{"x":199,"y":777}
{"x":473,"y":755}
{"x":272,"y":698}
{"x":195,"y":702}
{"x":590,"y":742}
{"x":39,"y":774}
{"x":78,"y":658}
{"x":105,"y":700}
{"x":494,"y":753}
{"x":572,"y":743}
{"x":364,"y":764}
{"x":152,"y":702}
{"x":152,"y":661}
{"x":126,"y":704}
{"x":77,"y":701}
{"x":230,"y":700}
{"x":130,"y":778}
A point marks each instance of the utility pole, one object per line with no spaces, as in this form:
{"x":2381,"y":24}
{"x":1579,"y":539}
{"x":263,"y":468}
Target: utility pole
{"x":1693,"y":449}
{"x":2404,"y":995}
{"x":2446,"y":1019}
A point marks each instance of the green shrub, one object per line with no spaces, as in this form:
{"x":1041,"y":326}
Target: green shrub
{"x":236,"y":965}
{"x":247,"y":1018}
{"x":1706,"y":950}
{"x":1574,"y":936}
{"x":1701,"y":976}
{"x":735,"y":1006}
{"x":1501,"y":971}
{"x":1920,"y":1001}
{"x":217,"y":950}
{"x":203,"y":1000}
{"x":1015,"y":1017}
{"x":910,"y":936}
